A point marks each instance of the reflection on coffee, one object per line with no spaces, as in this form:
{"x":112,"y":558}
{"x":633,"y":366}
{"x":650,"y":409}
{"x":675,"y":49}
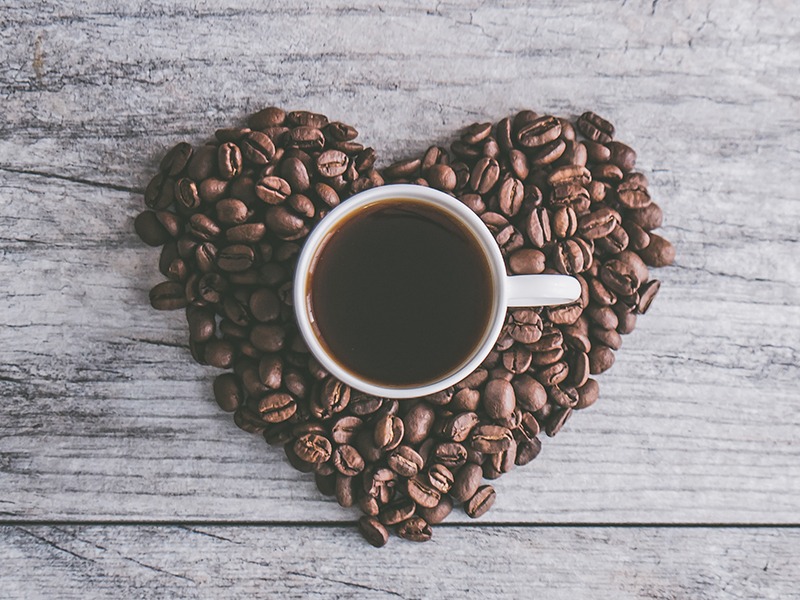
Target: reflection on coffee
{"x":401,"y":293}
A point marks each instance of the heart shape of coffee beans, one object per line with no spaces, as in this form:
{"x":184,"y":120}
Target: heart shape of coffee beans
{"x":558,"y":196}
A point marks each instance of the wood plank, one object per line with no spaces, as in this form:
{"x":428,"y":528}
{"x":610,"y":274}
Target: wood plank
{"x":332,"y":562}
{"x":105,"y":417}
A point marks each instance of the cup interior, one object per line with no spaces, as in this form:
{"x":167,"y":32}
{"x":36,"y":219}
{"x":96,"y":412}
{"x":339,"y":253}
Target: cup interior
{"x":350,"y":209}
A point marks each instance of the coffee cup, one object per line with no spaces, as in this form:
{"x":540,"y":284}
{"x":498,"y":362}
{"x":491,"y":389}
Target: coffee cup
{"x":370,"y":252}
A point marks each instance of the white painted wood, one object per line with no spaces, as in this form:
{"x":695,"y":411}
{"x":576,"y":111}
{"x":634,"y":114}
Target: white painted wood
{"x":332,"y":562}
{"x":103,"y":415}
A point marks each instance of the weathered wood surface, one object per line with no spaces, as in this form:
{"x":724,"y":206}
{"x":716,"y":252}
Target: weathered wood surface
{"x":104,"y":417}
{"x":332,"y":562}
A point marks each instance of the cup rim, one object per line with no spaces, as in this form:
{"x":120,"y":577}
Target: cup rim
{"x":368,"y":198}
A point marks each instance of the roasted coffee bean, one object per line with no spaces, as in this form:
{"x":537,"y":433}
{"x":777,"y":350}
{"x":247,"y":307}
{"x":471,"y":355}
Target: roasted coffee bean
{"x":556,"y":421}
{"x":347,"y":460}
{"x":517,"y":360}
{"x":498,"y":399}
{"x":553,"y":374}
{"x":344,"y":429}
{"x":415,"y":529}
{"x":345,"y":490}
{"x":659,"y":252}
{"x":168,"y":295}
{"x":227,"y":392}
{"x":388,"y":432}
{"x":405,"y":461}
{"x":257,"y":147}
{"x":538,"y":132}
{"x":529,"y":393}
{"x":484,"y":175}
{"x":332,"y":163}
{"x":601,"y":358}
{"x":510,"y":196}
{"x":537,"y":227}
{"x":175,"y":161}
{"x":268,"y":337}
{"x":525,"y":325}
{"x":595,"y":127}
{"x":235,"y":258}
{"x":459,"y":426}
{"x":277,"y":407}
{"x":397,"y":512}
{"x":159,"y":193}
{"x":450,"y":454}
{"x":306,"y":137}
{"x":219,"y":353}
{"x":418,"y":422}
{"x":229,"y":160}
{"x":422,"y":492}
{"x":149,"y":228}
{"x":598,"y":223}
{"x":440,"y":477}
{"x":202,"y":163}
{"x":527,"y":451}
{"x":442,"y":177}
{"x":313,"y":448}
{"x":466,"y":482}
{"x":613,"y":243}
{"x":373,"y":530}
{"x":621,"y":155}
{"x":564,"y":222}
{"x":526,"y":261}
{"x":647,"y":293}
{"x":186,"y":194}
{"x":438,"y":513}
{"x":490,"y":439}
{"x":632,"y":191}
{"x":481,"y":502}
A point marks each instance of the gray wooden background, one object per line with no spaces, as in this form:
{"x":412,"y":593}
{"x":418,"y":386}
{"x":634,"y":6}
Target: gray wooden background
{"x":119,"y":477}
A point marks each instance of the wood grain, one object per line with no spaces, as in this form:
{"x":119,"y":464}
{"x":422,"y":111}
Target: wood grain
{"x":332,"y":562}
{"x":103,"y":415}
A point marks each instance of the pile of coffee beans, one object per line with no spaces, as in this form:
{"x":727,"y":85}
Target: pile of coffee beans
{"x":559,"y":197}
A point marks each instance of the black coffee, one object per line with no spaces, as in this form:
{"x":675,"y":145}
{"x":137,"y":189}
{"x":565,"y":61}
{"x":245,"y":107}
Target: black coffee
{"x":401,"y":294}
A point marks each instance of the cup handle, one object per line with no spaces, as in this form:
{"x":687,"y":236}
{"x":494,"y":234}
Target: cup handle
{"x":541,"y":290}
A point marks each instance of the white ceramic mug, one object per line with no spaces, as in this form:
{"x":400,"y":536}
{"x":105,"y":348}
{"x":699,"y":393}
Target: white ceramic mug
{"x":509,"y":291}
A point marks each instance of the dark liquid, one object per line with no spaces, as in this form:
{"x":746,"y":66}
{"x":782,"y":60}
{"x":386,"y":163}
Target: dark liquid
{"x":401,"y":294}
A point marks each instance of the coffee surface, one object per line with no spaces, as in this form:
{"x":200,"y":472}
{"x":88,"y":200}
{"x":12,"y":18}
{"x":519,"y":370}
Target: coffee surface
{"x":401,"y":294}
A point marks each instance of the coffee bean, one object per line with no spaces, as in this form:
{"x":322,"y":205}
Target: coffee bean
{"x":595,"y":127}
{"x":159,"y":193}
{"x":334,"y":395}
{"x":525,"y":325}
{"x":538,"y":132}
{"x":313,"y":448}
{"x":276,"y":407}
{"x":601,"y":358}
{"x":422,"y":492}
{"x":397,"y":512}
{"x":257,"y":147}
{"x":347,"y":460}
{"x":415,"y":529}
{"x":659,"y":252}
{"x":647,"y":293}
{"x":498,"y":399}
{"x":537,"y":227}
{"x":598,"y":223}
{"x":150,"y":230}
{"x":405,"y":461}
{"x":418,"y":422}
{"x":648,"y":218}
{"x":527,"y":451}
{"x":306,"y":137}
{"x":632,"y":191}
{"x":373,"y":531}
{"x":553,"y":374}
{"x":510,"y":196}
{"x":345,"y":490}
{"x":484,"y":175}
{"x":388,"y":432}
{"x":175,"y":161}
{"x":450,"y":454}
{"x":229,"y":160}
{"x":459,"y":426}
{"x":235,"y":258}
{"x":526,"y":261}
{"x":168,"y":295}
{"x":466,"y":482}
{"x":219,"y":353}
{"x":438,"y":513}
{"x":490,"y":439}
{"x":529,"y":393}
{"x":556,"y":421}
{"x":227,"y":392}
{"x":481,"y":502}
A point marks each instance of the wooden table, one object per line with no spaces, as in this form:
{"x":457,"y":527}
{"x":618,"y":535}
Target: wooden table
{"x":119,"y":477}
